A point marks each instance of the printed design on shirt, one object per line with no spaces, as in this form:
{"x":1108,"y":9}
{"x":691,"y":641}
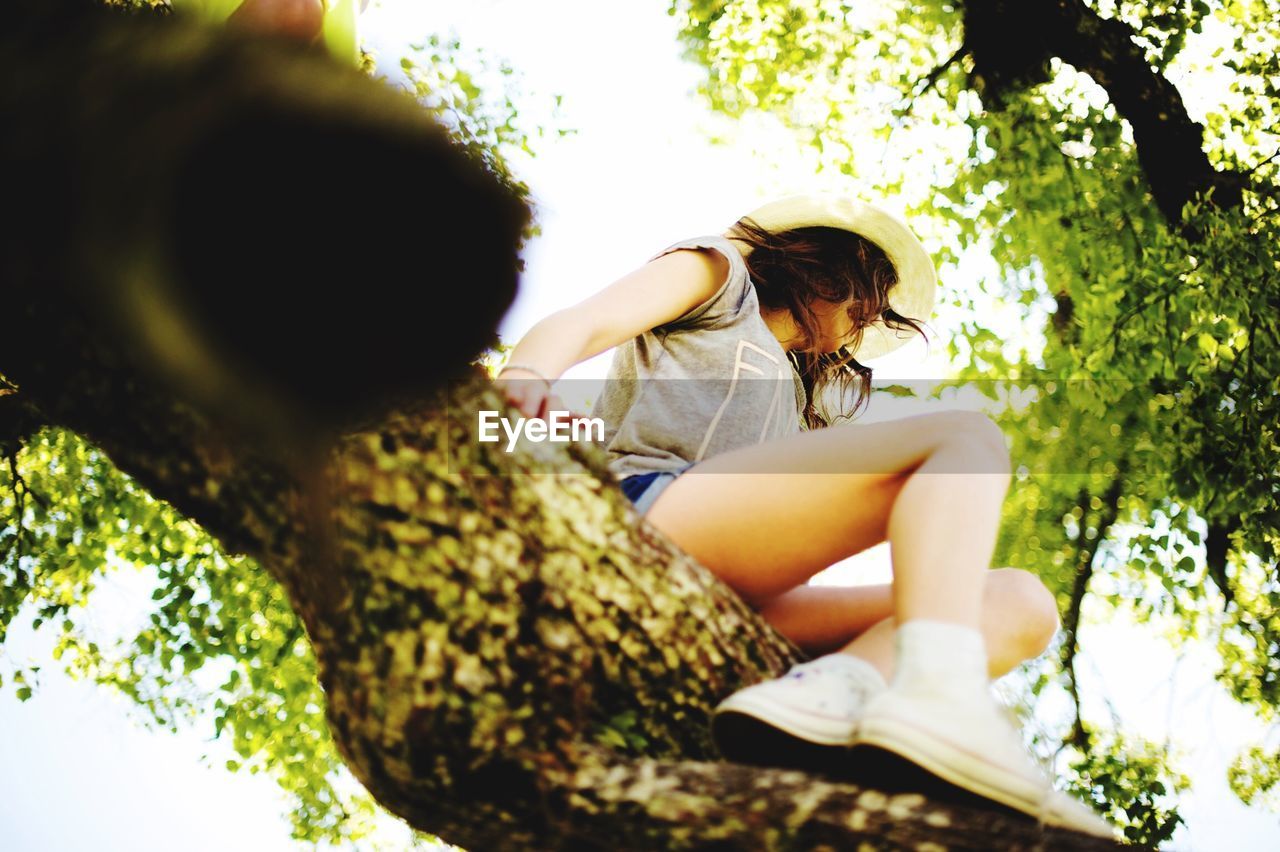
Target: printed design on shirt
{"x":742,"y":365}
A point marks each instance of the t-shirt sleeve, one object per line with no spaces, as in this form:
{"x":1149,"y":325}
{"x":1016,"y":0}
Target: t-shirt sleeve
{"x":725,"y":304}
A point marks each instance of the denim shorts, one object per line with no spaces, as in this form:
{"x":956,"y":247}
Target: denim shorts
{"x":643,"y":488}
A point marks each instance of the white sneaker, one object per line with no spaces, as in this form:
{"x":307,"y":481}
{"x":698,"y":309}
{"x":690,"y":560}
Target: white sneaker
{"x":816,"y":703}
{"x":971,"y":744}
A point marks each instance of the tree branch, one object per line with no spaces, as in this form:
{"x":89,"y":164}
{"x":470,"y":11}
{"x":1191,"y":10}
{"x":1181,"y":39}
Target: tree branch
{"x":933,"y":76}
{"x":19,"y":419}
{"x":1086,"y":558}
{"x":739,"y":807}
{"x":1169,"y":144}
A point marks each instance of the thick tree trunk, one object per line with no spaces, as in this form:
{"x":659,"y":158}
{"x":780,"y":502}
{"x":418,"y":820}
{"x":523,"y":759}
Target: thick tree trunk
{"x":1012,"y":41}
{"x":512,"y":658}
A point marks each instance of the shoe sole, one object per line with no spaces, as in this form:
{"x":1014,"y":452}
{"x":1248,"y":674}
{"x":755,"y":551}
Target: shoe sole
{"x":954,"y":765}
{"x":749,"y":731}
{"x":812,"y":728}
{"x":741,"y":738}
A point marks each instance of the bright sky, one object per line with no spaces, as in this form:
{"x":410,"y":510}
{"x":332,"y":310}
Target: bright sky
{"x":76,"y":771}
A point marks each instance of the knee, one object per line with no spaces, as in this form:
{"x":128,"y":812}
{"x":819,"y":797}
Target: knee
{"x":981,"y":440}
{"x":1024,"y":602}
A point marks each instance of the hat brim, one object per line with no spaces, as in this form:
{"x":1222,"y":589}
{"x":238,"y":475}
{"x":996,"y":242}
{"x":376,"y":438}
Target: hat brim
{"x":914,"y":294}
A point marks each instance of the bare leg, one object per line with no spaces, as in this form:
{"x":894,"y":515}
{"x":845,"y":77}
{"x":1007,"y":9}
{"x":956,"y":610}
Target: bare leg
{"x":1018,"y":621}
{"x":766,"y":518}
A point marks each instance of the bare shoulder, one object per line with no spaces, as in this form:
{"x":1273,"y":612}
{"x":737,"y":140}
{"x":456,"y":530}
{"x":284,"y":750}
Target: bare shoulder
{"x":707,"y":266}
{"x":660,"y":291}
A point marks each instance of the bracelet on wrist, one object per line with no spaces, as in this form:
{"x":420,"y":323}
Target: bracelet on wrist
{"x":527,"y":370}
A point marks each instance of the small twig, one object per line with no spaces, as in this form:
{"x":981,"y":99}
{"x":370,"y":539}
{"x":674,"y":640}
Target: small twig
{"x":1260,"y":164}
{"x":12,"y":456}
{"x":1085,"y":567}
{"x":1130,"y":314}
{"x":1071,"y":622}
{"x":937,"y":73}
{"x":289,"y":641}
{"x":19,"y":510}
{"x":928,"y":83}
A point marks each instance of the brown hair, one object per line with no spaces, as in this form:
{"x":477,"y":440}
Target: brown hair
{"x":792,"y":268}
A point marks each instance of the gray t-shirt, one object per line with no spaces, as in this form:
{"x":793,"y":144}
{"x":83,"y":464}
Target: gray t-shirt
{"x":712,"y":380}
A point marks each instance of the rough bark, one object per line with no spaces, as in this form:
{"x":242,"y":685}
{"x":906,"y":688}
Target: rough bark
{"x":485,"y":629}
{"x":1012,"y":41}
{"x":512,"y":658}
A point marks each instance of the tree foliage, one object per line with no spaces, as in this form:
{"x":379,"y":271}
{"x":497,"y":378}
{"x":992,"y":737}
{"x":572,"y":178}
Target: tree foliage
{"x":1142,"y":394}
{"x":1150,"y":355}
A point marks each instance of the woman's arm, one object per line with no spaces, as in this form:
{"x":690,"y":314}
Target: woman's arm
{"x":660,"y":291}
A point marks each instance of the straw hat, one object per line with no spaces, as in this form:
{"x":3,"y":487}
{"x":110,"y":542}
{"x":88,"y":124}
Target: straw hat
{"x":913,"y":296}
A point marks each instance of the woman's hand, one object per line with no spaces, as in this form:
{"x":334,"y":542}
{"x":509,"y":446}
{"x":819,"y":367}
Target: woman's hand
{"x":297,"y":19}
{"x":527,"y":391}
{"x":531,"y":394}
